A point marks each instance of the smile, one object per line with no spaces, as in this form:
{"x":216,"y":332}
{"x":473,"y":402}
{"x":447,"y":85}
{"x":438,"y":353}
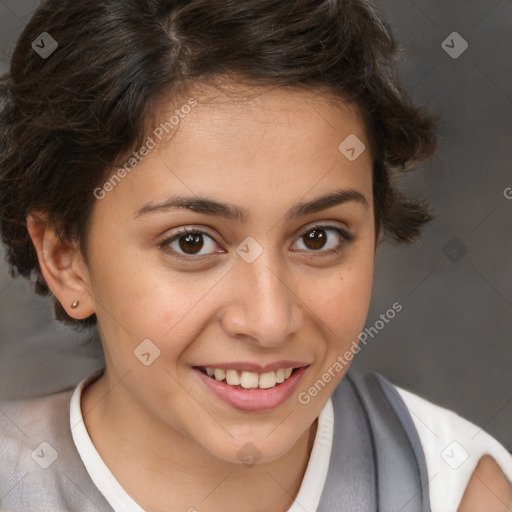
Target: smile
{"x":249,"y":380}
{"x":251,"y":391}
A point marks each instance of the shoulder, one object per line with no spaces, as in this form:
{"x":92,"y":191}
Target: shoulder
{"x":457,"y":453}
{"x":32,"y":433}
{"x":25,"y":423}
{"x":32,"y":416}
{"x":26,"y":419}
{"x":488,"y":489}
{"x":41,"y":467}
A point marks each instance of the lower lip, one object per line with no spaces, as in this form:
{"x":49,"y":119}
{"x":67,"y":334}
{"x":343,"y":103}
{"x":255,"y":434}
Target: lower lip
{"x":254,"y":399}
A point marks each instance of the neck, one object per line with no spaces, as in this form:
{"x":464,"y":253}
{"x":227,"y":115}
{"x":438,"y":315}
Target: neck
{"x":167,"y":467}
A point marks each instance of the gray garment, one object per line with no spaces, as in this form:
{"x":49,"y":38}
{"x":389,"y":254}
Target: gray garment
{"x":377,"y":461}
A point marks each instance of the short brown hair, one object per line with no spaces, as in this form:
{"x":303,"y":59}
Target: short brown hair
{"x":66,"y":119}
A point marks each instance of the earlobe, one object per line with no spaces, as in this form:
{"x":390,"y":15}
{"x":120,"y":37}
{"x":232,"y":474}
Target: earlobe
{"x":62,"y":267}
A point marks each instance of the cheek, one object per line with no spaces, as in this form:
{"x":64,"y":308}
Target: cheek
{"x":152,"y":302}
{"x":342,"y":308}
{"x":341,"y":297}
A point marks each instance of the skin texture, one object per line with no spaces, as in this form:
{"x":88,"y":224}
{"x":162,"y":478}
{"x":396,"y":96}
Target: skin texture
{"x":297,"y":300}
{"x":488,"y":489}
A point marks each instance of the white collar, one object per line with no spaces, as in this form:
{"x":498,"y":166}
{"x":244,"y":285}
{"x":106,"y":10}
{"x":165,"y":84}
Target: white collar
{"x":307,"y":498}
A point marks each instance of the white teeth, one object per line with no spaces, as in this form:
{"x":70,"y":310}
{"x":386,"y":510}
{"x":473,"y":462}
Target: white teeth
{"x":232,"y":377}
{"x":250,"y":380}
{"x":267,"y":380}
{"x":219,"y":374}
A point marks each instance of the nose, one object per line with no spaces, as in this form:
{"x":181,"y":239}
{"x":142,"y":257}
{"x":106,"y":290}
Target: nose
{"x":264,"y":307}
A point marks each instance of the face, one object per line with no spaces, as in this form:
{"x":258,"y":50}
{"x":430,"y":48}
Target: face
{"x":267,"y":277}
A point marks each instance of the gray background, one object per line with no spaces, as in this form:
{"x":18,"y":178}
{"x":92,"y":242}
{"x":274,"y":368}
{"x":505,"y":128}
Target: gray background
{"x":451,"y":343}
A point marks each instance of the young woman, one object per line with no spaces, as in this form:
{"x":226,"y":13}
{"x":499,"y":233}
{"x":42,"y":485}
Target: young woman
{"x":208,"y":181}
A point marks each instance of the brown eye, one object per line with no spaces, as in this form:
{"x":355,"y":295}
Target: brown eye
{"x":323,"y":239}
{"x":187,"y":244}
{"x":315,"y":239}
{"x":191,"y":243}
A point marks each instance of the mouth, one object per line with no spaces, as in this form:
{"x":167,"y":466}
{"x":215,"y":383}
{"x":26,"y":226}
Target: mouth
{"x":249,"y":380}
{"x":251,"y":391}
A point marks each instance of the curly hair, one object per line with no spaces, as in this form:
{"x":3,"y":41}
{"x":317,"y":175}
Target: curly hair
{"x":65,"y":120}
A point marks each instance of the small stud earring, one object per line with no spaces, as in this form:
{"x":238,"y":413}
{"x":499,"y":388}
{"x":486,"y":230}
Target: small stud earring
{"x":74,"y":304}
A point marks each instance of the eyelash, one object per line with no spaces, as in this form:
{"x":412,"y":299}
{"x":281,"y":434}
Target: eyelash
{"x":347,"y":238}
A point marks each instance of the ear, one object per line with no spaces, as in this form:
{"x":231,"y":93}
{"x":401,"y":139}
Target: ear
{"x":62,"y":266}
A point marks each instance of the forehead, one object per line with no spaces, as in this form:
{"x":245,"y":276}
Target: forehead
{"x":233,"y":105}
{"x":252,"y":145}
{"x":231,"y":120}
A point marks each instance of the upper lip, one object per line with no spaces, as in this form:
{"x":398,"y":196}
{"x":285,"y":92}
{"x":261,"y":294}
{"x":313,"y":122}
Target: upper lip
{"x":254,"y":367}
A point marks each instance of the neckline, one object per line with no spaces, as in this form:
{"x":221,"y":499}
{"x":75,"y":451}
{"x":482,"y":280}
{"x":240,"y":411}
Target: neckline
{"x":307,"y":498}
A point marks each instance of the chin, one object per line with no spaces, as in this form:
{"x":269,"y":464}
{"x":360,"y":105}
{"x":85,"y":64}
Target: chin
{"x":251,"y":450}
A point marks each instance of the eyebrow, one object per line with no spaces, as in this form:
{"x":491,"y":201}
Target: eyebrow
{"x":229,"y":211}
